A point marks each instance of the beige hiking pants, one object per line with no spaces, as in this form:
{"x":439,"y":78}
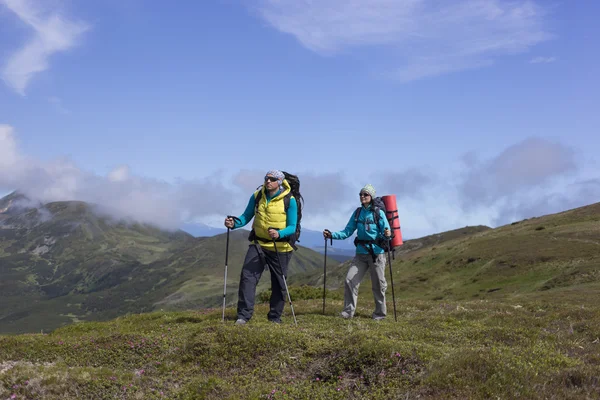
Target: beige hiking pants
{"x":356,"y":272}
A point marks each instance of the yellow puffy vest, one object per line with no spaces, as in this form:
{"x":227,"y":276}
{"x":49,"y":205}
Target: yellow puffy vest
{"x":271,"y":215}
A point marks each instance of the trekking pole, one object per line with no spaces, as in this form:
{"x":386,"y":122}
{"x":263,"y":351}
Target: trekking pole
{"x":325,"y":270}
{"x":226,"y":262}
{"x":284,"y":281}
{"x":392,"y":280}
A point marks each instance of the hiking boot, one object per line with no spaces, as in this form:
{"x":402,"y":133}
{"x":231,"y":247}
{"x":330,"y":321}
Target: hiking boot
{"x":345,"y":315}
{"x":379,"y":318}
{"x":240,"y":321}
{"x":275,"y":321}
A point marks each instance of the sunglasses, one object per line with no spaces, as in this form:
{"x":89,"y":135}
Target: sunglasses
{"x":364,"y":194}
{"x":270,"y":179}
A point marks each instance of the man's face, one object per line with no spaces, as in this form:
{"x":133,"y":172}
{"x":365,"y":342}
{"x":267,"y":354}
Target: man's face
{"x":271,"y":182}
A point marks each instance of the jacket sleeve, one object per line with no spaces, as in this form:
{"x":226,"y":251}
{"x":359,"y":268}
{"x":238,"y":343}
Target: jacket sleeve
{"x":291,"y":220}
{"x":247,"y":215}
{"x":347,"y":232}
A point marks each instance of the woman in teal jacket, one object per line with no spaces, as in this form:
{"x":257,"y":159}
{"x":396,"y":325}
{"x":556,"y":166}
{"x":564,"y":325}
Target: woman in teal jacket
{"x":372,"y":232}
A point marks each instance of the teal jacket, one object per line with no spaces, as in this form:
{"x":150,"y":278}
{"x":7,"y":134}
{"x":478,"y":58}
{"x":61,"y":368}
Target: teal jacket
{"x":292,"y":215}
{"x":366,"y":229}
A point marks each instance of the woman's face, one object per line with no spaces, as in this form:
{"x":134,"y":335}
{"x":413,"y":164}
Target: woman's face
{"x":365,"y":198}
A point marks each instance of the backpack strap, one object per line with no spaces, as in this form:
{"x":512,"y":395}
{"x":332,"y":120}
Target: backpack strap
{"x":393,"y":217}
{"x":376,"y":215}
{"x":293,"y":237}
{"x":257,"y":199}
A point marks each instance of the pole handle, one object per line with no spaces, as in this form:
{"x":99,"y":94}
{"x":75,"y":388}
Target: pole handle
{"x":330,"y":237}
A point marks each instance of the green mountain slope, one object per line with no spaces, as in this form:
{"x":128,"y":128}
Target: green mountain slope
{"x":63,"y":262}
{"x":53,"y":257}
{"x":521,"y":259}
{"x":204,"y":275}
{"x":336,"y":275}
{"x":537,"y":257}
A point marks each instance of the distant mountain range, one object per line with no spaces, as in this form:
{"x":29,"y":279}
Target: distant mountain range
{"x":63,"y":261}
{"x":201,"y":230}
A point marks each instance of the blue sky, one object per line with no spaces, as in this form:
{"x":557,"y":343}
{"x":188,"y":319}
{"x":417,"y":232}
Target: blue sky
{"x":471,"y":112}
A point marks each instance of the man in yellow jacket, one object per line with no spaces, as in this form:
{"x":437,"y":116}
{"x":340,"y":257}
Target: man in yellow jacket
{"x":275,"y":217}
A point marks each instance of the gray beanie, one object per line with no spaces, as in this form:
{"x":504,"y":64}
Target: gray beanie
{"x":277,"y":174}
{"x":368,"y":189}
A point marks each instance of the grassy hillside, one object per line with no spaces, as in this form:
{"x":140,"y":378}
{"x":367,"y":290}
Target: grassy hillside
{"x":559,"y":251}
{"x":53,"y":258}
{"x":544,"y":256}
{"x":336,"y":275}
{"x":63,"y":263}
{"x":204,"y":272}
{"x":452,"y":350}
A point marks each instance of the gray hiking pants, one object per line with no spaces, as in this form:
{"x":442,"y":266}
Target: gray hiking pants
{"x":360,"y":264}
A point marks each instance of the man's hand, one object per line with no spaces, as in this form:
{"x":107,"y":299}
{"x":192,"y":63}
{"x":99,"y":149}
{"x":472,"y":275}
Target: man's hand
{"x":273,"y":233}
{"x":229,"y":222}
{"x":326,"y":234}
{"x":387,"y":232}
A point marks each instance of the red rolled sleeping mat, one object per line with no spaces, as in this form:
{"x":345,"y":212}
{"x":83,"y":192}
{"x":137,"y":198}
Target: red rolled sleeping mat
{"x":393,"y":218}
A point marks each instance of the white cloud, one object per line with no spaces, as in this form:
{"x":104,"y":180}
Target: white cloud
{"x":119,"y":174}
{"x":532,"y":203}
{"x":8,"y":148}
{"x":542,"y":60}
{"x":423,"y":37}
{"x":411,"y":183}
{"x":525,"y":165}
{"x":121,"y":193}
{"x":53,"y":33}
{"x":530,"y":178}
